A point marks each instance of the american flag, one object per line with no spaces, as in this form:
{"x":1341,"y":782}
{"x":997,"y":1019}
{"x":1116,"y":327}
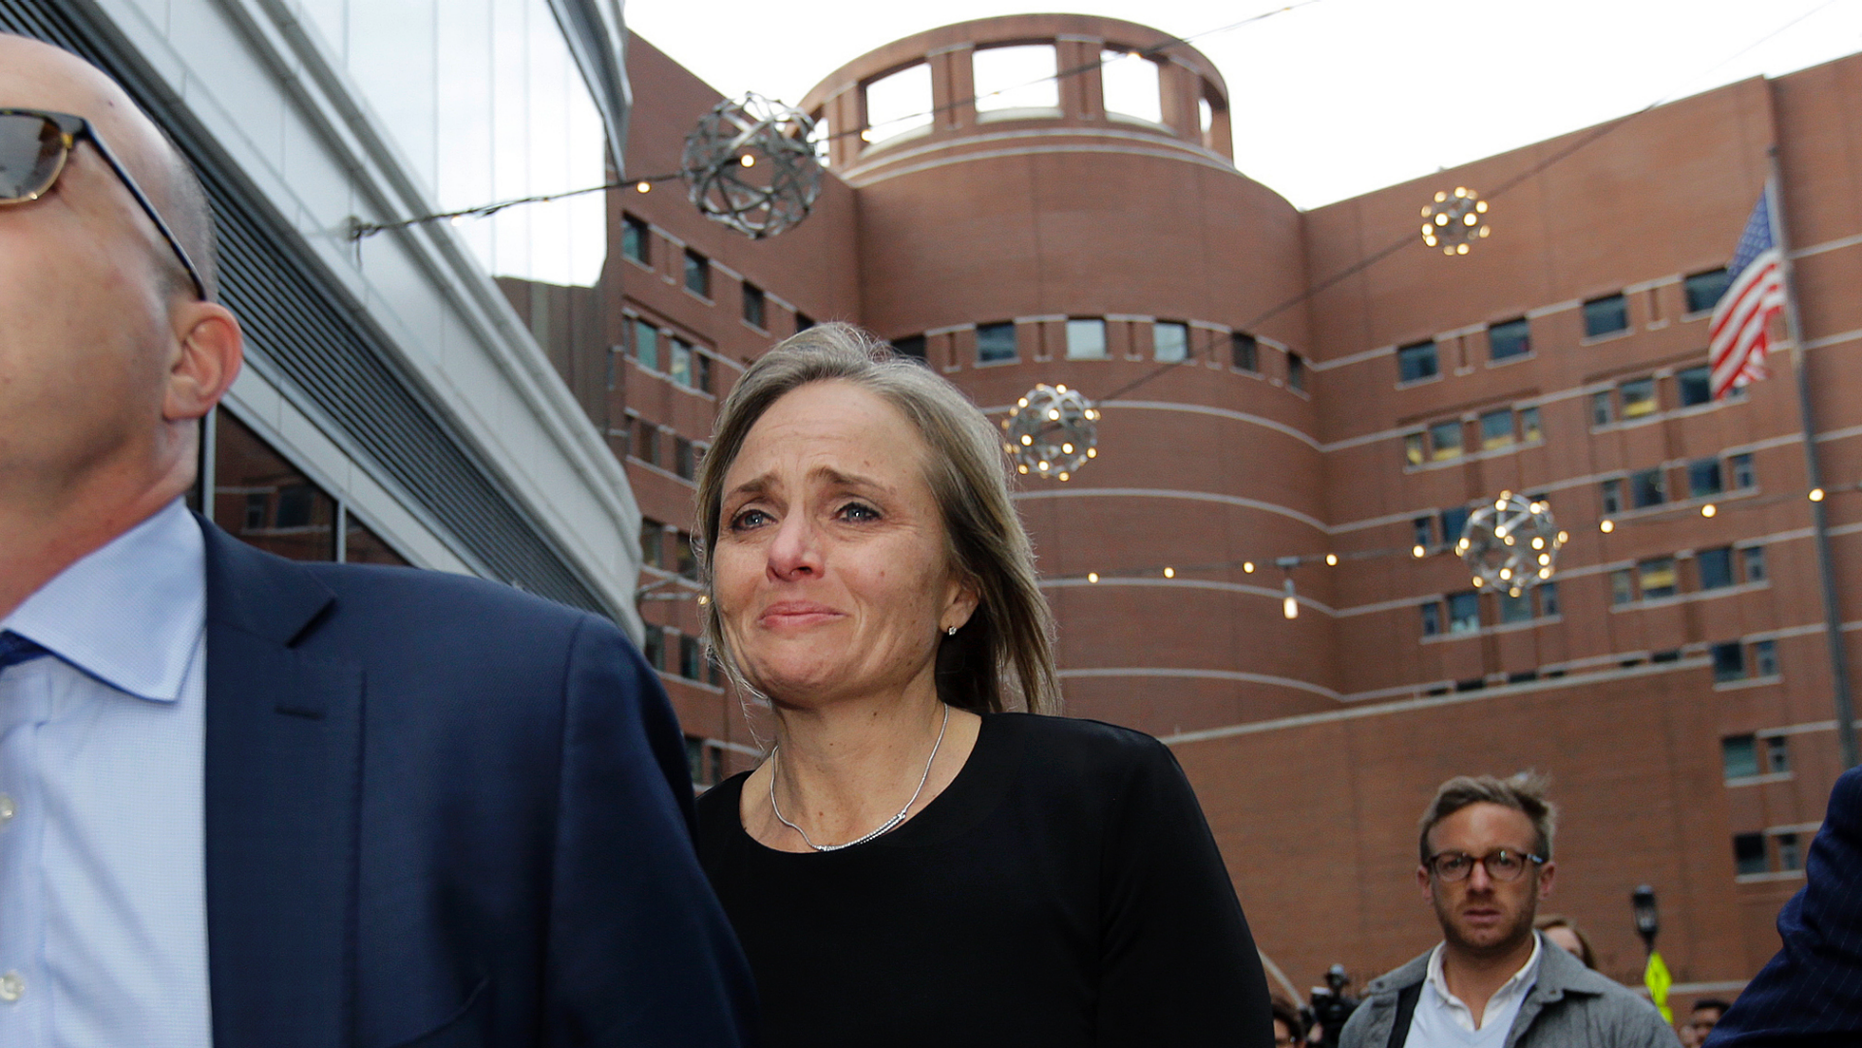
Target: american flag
{"x":1741,"y":329}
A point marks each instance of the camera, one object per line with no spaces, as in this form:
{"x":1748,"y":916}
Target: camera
{"x":1331,"y":1006}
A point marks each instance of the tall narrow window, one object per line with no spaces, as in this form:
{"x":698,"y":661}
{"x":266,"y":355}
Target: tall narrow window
{"x":1729,"y":661}
{"x":1739,"y":756}
{"x":995,"y":343}
{"x":1789,"y":857}
{"x":1171,"y":341}
{"x":1454,"y":522}
{"x":1431,"y":618}
{"x":1765,"y":658}
{"x":1086,"y":339}
{"x":1612,"y":492}
{"x":1622,"y":587}
{"x":1744,"y":476}
{"x":679,"y":363}
{"x":1424,"y":529}
{"x":1657,"y":578}
{"x":1704,"y":290}
{"x":754,"y":307}
{"x":1778,"y":754}
{"x":1497,"y":429}
{"x":1509,"y":340}
{"x":1752,"y":561}
{"x":1648,"y":487}
{"x":1695,"y":386}
{"x":1716,"y":567}
{"x":697,"y":274}
{"x":652,"y":542}
{"x":1548,"y":598}
{"x":646,"y":345}
{"x":1413,"y":449}
{"x":1703,"y":478}
{"x":1464,"y":612}
{"x":1516,"y":609}
{"x":1445,"y":440}
{"x":1531,"y":431}
{"x":636,"y":240}
{"x":1602,"y":409}
{"x":1606,"y":315}
{"x":654,"y":649}
{"x":1296,"y":372}
{"x":1418,"y":361}
{"x":1244,"y":352}
{"x":1749,"y":853}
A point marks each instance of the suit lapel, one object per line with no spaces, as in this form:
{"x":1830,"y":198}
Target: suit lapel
{"x":283,"y":763}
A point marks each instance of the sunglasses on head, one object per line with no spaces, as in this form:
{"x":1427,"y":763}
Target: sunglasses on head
{"x":34,"y":148}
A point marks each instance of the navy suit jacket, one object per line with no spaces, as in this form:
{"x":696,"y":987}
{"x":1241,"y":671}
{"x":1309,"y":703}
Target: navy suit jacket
{"x":442,"y":813}
{"x":1811,"y":993}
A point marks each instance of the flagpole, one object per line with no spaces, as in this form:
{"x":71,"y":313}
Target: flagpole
{"x":1819,"y":513}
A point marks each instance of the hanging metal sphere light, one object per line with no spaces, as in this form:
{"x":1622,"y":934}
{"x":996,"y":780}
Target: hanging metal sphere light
{"x":1053,"y":432}
{"x":750,"y":165}
{"x":1511,"y":544}
{"x":1454,"y":220}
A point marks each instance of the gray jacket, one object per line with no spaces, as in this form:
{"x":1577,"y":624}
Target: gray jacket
{"x":1569,"y":1006}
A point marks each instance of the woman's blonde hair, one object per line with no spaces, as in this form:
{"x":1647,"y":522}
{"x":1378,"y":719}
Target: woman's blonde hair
{"x":1005,"y":651}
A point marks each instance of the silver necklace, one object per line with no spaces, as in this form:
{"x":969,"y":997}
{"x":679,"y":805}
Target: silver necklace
{"x":885,"y":827}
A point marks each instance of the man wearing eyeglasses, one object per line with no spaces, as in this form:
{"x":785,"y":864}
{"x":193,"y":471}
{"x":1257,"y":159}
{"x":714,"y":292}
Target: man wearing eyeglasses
{"x":1493,"y":982}
{"x":250,"y":802}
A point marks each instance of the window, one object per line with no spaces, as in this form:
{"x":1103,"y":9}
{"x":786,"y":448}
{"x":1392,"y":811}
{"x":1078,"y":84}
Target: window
{"x":1086,"y":339}
{"x":1464,"y":612}
{"x":1695,"y":385}
{"x":1530,"y":429}
{"x":754,"y":307}
{"x":684,"y":462}
{"x":1704,"y":290}
{"x":1515,"y":609}
{"x":646,"y":345}
{"x":697,"y":274}
{"x":995,"y":343}
{"x":652,"y":541}
{"x":646,"y":441}
{"x":690,"y":657}
{"x":1424,"y":528}
{"x":1417,"y":362}
{"x":1296,"y":372}
{"x":1743,"y":474}
{"x":1170,"y":342}
{"x":1638,"y":397}
{"x":803,"y":322}
{"x":1716,"y":568}
{"x":1648,"y":487}
{"x":1509,"y":340}
{"x":1413,"y":451}
{"x":679,"y":362}
{"x":1431,"y":618}
{"x":636,"y":240}
{"x":654,"y":649}
{"x":1622,"y":587}
{"x":1778,"y":755}
{"x":1454,"y":522}
{"x":703,"y":360}
{"x":1548,"y":598}
{"x":1612,"y":495}
{"x":1603,"y":316}
{"x":688,"y":561}
{"x":1703,"y":478}
{"x":1749,"y":853}
{"x":1729,"y":661}
{"x":912,"y":346}
{"x":1445,"y":439}
{"x":899,"y":103}
{"x":1602,"y":413}
{"x":1497,"y":429}
{"x":706,"y":763}
{"x":256,"y":505}
{"x":1130,"y":85}
{"x":1657,"y":577}
{"x":1018,"y":77}
{"x":1788,"y":855}
{"x":1244,"y":352}
{"x":1739,"y":756}
{"x":1765,"y":658}
{"x":1752,"y":559}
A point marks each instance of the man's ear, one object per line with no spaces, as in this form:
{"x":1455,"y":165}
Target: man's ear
{"x":209,"y":348}
{"x":1547,"y":873}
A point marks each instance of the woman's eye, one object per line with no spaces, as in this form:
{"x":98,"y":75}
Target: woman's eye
{"x":859,"y":512}
{"x":749,"y":518}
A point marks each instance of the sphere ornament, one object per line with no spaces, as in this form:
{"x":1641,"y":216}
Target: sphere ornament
{"x":1053,"y":432}
{"x":750,"y":165}
{"x":1454,"y":220}
{"x":1511,"y":544}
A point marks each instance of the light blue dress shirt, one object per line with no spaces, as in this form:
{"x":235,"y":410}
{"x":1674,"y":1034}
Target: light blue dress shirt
{"x":103,"y":909}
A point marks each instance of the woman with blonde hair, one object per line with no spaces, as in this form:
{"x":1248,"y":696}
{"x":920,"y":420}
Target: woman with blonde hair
{"x":913,"y":864}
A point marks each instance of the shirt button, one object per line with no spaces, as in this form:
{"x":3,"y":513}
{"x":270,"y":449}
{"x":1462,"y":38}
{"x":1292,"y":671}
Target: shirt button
{"x":12,"y":987}
{"x":7,"y":809}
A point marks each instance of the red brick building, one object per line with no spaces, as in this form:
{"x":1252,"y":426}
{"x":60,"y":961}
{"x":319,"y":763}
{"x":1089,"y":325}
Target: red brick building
{"x":1674,"y":680}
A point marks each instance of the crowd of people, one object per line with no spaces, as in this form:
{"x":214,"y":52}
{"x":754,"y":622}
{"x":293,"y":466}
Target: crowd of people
{"x":249,"y":801}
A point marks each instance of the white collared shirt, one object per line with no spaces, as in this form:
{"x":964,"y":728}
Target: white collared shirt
{"x":1443,"y":1019}
{"x":103,"y":910}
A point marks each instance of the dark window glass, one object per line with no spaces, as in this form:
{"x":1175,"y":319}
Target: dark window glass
{"x":1622,"y":586}
{"x":1417,"y":361}
{"x":679,"y":364}
{"x":1454,"y":521}
{"x":697,"y":273}
{"x":1657,"y":577}
{"x":646,"y":345}
{"x":1516,"y":609}
{"x":1729,"y":661}
{"x":1612,"y":495}
{"x":654,"y":647}
{"x":1648,"y":487}
{"x":1605,"y":315}
{"x":1464,"y":612}
{"x":1788,"y":856}
{"x":690,"y":659}
{"x":1425,"y":531}
{"x":695,"y":760}
{"x":1414,"y":449}
{"x":362,"y":546}
{"x":1244,"y":352}
{"x":646,"y":443}
{"x":1548,"y":598}
{"x":1749,"y":853}
{"x":995,"y":343}
{"x":1602,"y":410}
{"x":1445,"y":440}
{"x":1778,"y":754}
{"x":1765,"y":658}
{"x":1530,"y":430}
{"x":652,"y":542}
{"x":1752,"y":559}
{"x":1744,"y":476}
{"x":1695,"y":385}
{"x":803,"y":321}
{"x":1431,"y":618}
{"x":688,"y":561}
{"x":1522,"y":677}
{"x":1497,"y":429}
{"x":1716,"y":568}
{"x":1703,"y":478}
{"x":703,"y":363}
{"x":1670,"y":655}
{"x":1509,"y":340}
{"x":1704,"y":290}
{"x":684,"y":463}
{"x":754,"y":307}
{"x":1638,"y":397}
{"x":912,"y":346}
{"x":1739,"y":756}
{"x":636,"y":241}
{"x":1296,"y":371}
{"x":266,"y":501}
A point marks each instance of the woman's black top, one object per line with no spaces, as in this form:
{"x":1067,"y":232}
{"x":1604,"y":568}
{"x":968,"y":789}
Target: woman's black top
{"x":1062,"y":890}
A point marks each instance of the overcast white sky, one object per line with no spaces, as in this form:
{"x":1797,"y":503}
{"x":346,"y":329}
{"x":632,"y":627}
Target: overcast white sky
{"x":1341,"y":96}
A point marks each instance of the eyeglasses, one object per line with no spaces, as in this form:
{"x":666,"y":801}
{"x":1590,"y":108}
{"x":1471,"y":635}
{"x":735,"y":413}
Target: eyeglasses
{"x":1502,"y":865}
{"x":34,"y":147}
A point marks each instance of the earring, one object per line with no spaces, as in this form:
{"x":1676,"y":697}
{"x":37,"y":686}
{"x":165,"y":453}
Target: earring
{"x":951,"y":632}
